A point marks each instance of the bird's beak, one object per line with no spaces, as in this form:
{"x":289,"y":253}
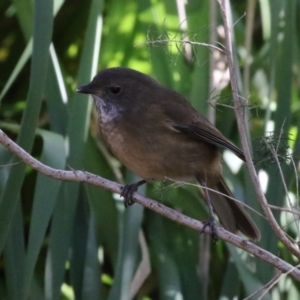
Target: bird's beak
{"x":85,"y":89}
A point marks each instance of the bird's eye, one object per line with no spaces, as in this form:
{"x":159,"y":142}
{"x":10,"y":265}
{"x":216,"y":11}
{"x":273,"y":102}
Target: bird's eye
{"x":115,"y":90}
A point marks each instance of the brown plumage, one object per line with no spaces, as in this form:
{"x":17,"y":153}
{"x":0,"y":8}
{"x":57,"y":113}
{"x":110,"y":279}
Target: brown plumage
{"x":156,"y":133}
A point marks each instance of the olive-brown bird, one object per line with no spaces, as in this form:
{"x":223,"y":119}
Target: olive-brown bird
{"x":157,"y":134}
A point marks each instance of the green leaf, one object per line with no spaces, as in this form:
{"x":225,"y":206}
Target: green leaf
{"x":18,"y":68}
{"x":77,"y":128}
{"x":45,"y":196}
{"x":168,"y":273}
{"x":91,"y":287}
{"x":14,"y":256}
{"x":24,"y":9}
{"x":250,"y":282}
{"x":42,"y":38}
{"x":129,"y":227}
{"x":103,"y":206}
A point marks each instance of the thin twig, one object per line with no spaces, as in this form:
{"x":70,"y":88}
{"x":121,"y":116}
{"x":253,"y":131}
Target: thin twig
{"x":183,"y":42}
{"x":274,"y":152}
{"x":250,"y":16}
{"x":291,"y":211}
{"x":275,"y":281}
{"x":184,"y":183}
{"x":263,"y":288}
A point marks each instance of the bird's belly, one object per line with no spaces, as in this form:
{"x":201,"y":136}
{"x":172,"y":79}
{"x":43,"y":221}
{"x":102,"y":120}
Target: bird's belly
{"x":155,"y":156}
{"x":137,"y":157}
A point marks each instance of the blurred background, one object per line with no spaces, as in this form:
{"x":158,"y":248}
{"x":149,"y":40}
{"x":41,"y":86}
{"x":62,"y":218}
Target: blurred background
{"x":63,"y":240}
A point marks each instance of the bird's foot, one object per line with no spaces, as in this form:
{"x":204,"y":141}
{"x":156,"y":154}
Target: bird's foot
{"x":128,"y":190}
{"x":211,"y":223}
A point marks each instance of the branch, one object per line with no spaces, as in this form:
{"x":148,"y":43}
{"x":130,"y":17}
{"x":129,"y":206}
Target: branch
{"x":243,"y":135}
{"x":183,"y":42}
{"x":159,"y":208}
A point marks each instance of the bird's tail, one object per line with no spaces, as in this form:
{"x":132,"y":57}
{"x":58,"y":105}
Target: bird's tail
{"x":231,"y":213}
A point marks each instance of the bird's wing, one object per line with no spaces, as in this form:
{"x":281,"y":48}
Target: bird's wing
{"x":207,"y":133}
{"x":183,"y":118}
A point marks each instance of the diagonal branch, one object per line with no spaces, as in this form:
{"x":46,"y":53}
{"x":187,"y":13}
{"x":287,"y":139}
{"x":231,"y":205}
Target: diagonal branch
{"x":81,"y":176}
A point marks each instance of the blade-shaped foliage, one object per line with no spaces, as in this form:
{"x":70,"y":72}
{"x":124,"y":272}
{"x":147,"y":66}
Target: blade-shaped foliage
{"x":65,"y":240}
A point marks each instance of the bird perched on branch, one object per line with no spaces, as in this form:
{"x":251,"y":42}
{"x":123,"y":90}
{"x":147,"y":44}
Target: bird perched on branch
{"x":157,"y":134}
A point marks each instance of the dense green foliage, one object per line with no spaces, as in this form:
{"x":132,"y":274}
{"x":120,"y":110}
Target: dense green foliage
{"x":62,"y":240}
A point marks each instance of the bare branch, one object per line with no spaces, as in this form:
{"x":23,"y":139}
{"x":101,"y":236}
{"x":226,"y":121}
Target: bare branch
{"x":291,"y":211}
{"x":243,"y":135}
{"x":183,"y":42}
{"x":161,"y":209}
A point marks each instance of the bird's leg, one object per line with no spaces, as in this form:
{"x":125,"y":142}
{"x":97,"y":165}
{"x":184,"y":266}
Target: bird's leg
{"x":211,"y":222}
{"x":128,"y":190}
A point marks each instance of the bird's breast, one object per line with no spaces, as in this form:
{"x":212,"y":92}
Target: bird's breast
{"x":154,"y":152}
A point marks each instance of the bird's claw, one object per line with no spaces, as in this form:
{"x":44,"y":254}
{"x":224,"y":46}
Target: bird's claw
{"x":211,"y":223}
{"x":127,"y":192}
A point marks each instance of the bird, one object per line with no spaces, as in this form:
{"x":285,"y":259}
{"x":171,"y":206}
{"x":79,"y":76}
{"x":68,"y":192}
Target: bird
{"x":156,"y":133}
